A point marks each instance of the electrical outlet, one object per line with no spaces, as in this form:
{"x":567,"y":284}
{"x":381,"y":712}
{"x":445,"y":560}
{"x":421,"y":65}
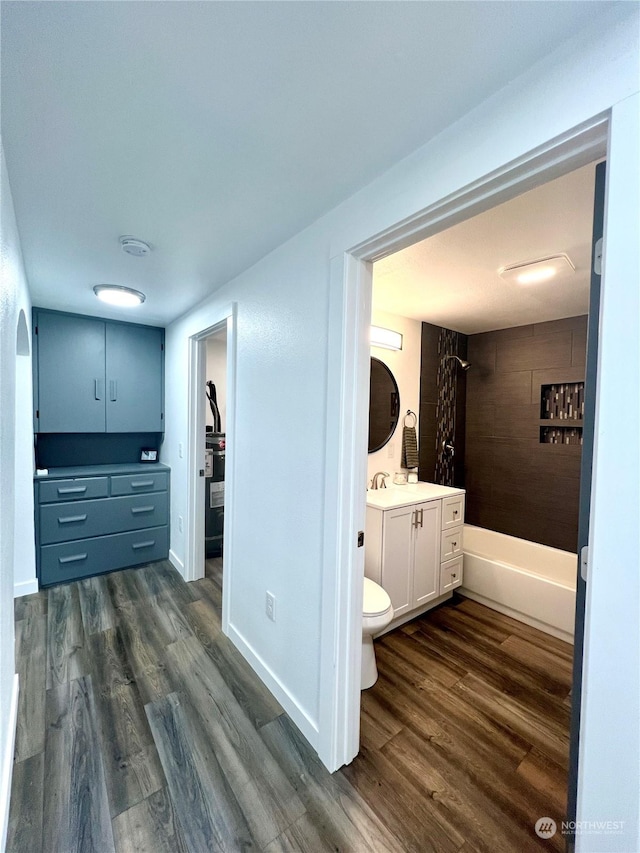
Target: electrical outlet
{"x":271,"y":606}
{"x":181,"y":450}
{"x":180,"y":524}
{"x":391,"y":449}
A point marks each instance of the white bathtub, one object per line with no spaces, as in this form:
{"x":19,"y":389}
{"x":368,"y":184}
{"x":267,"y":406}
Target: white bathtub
{"x":530,"y":582}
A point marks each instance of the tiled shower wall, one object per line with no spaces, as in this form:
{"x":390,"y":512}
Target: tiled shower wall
{"x":442,"y":406}
{"x":516,"y":484}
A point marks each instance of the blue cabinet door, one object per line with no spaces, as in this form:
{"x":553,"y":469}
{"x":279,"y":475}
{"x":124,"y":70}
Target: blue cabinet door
{"x":134,"y":389}
{"x":71,"y":373}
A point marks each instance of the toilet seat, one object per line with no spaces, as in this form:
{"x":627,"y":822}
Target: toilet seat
{"x":376,"y":599}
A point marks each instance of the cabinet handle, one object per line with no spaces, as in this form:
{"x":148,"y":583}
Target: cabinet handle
{"x":141,"y":484}
{"x":421,"y":515}
{"x":454,"y":575}
{"x":71,"y":490}
{"x":98,"y":390}
{"x":147,"y":544}
{"x":414,"y":518}
{"x":454,"y":544}
{"x":113,"y":390}
{"x":76,"y":558}
{"x":71,"y":518}
{"x":137,"y":509}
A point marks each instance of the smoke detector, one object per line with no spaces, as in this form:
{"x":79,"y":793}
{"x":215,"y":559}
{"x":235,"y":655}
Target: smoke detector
{"x":137,"y":248}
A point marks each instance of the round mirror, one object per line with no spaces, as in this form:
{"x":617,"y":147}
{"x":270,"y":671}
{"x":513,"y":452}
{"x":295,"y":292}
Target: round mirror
{"x":384,"y":405}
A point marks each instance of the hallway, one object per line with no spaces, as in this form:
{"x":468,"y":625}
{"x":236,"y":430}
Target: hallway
{"x":142,"y":729}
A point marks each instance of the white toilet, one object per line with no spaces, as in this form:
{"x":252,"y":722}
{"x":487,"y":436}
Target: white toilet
{"x":377,"y":612}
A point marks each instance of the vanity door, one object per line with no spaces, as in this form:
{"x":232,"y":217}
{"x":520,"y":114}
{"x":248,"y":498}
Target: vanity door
{"x":426,"y":564}
{"x":397,"y":557}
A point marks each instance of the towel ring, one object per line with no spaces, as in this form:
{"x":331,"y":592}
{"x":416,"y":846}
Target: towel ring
{"x":412,"y":414}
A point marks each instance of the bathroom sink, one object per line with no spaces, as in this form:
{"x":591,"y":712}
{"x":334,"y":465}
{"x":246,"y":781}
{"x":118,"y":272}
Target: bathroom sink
{"x":411,"y":493}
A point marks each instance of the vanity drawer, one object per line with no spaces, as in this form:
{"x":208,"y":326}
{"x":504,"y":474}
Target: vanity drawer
{"x":63,"y":522}
{"x":451,"y":543}
{"x":73,"y":490}
{"x":450,"y":575}
{"x":79,"y":559}
{"x":452,"y":511}
{"x":134,"y":484}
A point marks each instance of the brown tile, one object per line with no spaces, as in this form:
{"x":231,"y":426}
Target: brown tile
{"x":536,"y":353}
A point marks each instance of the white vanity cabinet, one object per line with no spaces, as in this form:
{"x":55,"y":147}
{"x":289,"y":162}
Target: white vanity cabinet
{"x":413,"y":546}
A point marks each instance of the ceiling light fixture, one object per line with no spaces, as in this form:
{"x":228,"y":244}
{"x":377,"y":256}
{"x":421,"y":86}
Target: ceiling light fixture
{"x":137,"y":248}
{"x":535,"y":272}
{"x":115,"y":294}
{"x":385,"y":338}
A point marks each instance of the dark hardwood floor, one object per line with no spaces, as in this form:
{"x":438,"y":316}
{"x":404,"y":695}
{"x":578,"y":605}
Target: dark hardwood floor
{"x":141,"y":728}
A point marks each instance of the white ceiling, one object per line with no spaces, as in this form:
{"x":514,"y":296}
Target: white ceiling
{"x":451,"y":279}
{"x":216,"y":130}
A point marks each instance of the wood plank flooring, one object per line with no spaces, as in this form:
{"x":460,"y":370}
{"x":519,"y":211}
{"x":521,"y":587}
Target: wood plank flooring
{"x":141,"y":728}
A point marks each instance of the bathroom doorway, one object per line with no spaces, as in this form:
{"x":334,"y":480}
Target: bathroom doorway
{"x":502,"y":371}
{"x":358,"y":271}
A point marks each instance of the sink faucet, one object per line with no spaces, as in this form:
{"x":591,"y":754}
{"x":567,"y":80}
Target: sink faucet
{"x":375,"y":482}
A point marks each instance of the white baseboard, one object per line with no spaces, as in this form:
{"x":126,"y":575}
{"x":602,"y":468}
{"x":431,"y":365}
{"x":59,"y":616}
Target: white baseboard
{"x":25,"y":588}
{"x":7,"y":765}
{"x":176,"y":562}
{"x":299,"y":716}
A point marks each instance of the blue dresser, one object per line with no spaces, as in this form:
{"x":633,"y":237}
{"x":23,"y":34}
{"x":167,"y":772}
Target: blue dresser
{"x":99,"y":518}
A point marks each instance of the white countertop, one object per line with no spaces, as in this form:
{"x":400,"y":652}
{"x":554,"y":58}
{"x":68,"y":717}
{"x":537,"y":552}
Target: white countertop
{"x":394,"y":496}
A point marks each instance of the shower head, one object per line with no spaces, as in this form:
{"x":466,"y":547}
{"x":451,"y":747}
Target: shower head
{"x":465,"y":365}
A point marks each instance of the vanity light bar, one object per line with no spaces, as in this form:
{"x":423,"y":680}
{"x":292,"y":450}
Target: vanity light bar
{"x":385,"y":338}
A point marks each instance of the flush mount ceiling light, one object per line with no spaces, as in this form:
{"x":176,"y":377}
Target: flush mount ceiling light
{"x":132,"y":246}
{"x":385,"y":338}
{"x":114,"y":294}
{"x":535,"y":272}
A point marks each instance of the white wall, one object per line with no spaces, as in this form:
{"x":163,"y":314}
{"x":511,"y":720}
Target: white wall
{"x":217,"y":373}
{"x":284,"y":408}
{"x":405,"y":366}
{"x":16,"y":489}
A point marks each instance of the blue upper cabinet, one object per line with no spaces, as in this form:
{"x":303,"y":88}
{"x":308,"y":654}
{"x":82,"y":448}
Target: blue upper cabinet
{"x":94,"y":375}
{"x":134,"y":378}
{"x":70,"y":378}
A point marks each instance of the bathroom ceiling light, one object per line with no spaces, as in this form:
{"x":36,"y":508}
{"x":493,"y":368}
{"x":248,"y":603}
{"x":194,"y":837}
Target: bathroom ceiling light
{"x":535,"y":272}
{"x":385,"y":338}
{"x":115,"y":294}
{"x":132,"y":246}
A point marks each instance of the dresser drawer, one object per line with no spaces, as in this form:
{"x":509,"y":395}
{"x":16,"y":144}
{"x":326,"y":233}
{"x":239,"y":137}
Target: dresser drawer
{"x":82,"y":519}
{"x":451,"y":543}
{"x":79,"y":559}
{"x":134,"y":484}
{"x":73,"y":490}
{"x":452,"y":511}
{"x":450,"y":575}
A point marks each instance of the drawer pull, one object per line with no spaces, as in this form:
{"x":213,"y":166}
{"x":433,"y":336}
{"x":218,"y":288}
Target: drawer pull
{"x":71,"y":490}
{"x":138,"y":509}
{"x":70,"y":519}
{"x":454,"y":544}
{"x":140,"y":484}
{"x":147,"y":544}
{"x":75,"y":558}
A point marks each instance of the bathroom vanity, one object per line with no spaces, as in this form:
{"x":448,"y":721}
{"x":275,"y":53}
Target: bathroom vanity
{"x":413,"y":545}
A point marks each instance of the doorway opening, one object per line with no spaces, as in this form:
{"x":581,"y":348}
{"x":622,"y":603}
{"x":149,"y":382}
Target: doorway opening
{"x":215,"y":454}
{"x":492,"y":374}
{"x":558,"y":157}
{"x":212,"y":369}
